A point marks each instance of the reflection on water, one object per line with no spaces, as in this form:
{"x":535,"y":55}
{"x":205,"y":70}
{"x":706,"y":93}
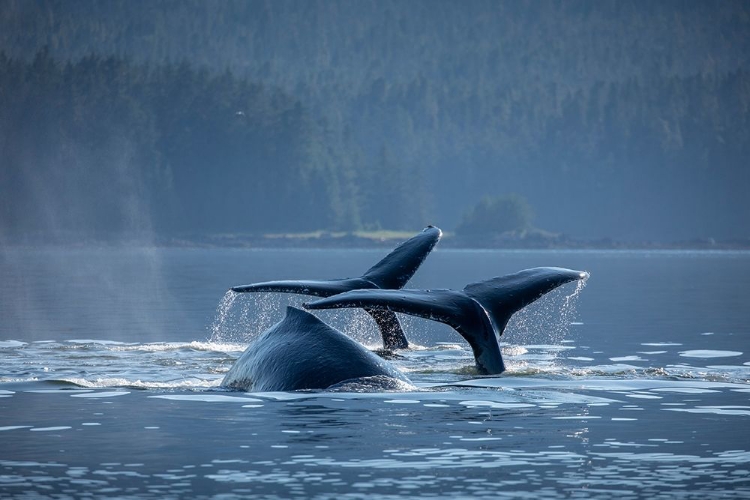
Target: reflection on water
{"x":558,"y":422}
{"x":483,"y":441}
{"x":642,"y":391}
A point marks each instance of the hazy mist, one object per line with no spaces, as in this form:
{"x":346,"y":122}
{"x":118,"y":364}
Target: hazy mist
{"x":153,"y":120}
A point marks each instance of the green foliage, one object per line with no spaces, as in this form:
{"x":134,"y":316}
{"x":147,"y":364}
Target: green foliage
{"x":495,"y":215}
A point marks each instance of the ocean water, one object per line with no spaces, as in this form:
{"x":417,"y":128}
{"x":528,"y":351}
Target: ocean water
{"x":636,"y":385}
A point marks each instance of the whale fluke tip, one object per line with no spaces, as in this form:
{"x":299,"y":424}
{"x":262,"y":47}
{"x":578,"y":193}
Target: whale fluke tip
{"x":431,"y":227}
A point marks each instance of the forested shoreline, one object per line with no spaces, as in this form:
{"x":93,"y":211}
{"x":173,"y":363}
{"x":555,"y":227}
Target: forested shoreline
{"x":158,"y":148}
{"x":248,"y":129}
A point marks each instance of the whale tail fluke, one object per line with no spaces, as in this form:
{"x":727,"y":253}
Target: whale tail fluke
{"x":390,"y":329}
{"x":452,"y":307}
{"x":478,"y":313}
{"x":393,"y":271}
{"x":498,"y":297}
{"x":397,"y":268}
{"x":446,"y":306}
{"x":319,"y":288}
{"x":501,"y":297}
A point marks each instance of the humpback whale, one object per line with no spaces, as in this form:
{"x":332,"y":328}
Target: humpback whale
{"x":302,"y":353}
{"x":392,"y":272}
{"x":479,"y":312}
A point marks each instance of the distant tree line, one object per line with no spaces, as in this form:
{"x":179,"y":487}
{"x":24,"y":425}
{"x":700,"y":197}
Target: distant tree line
{"x":612,"y":118}
{"x":495,"y":215}
{"x":104,"y":146}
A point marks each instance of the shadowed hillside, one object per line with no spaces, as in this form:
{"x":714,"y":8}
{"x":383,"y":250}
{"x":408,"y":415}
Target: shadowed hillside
{"x":613,"y":119}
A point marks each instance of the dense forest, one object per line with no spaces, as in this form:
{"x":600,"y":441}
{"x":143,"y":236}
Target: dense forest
{"x":103,"y":146}
{"x":623,"y":119}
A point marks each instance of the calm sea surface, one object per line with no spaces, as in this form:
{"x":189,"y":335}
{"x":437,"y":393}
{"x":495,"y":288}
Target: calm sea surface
{"x":636,"y":386}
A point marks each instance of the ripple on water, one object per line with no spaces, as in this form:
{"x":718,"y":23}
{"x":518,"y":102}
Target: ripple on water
{"x":715,"y":410}
{"x":11,"y":344}
{"x":207,"y":398}
{"x":100,"y":394}
{"x":708,"y":353}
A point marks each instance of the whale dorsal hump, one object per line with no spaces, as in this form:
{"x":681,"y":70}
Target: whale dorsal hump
{"x":301,"y":352}
{"x":504,"y":295}
{"x":396,"y":268}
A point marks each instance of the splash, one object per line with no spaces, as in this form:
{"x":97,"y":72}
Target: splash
{"x":568,"y":309}
{"x":546,"y":321}
{"x":356,"y":324}
{"x":222,"y":312}
{"x":241,"y":317}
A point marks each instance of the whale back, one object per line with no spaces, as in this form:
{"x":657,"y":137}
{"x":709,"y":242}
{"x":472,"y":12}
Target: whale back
{"x":303,"y":353}
{"x":504,"y":295}
{"x":397,"y":268}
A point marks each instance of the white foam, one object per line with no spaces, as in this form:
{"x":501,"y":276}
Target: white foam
{"x":183,"y":383}
{"x":684,"y":390}
{"x":627,"y":358}
{"x":11,"y":344}
{"x":577,"y":417}
{"x":207,"y":398}
{"x":58,"y":391}
{"x":495,"y":404}
{"x":514,"y":350}
{"x":707,"y":353}
{"x":176,"y":346}
{"x":550,"y":347}
{"x":106,"y":394}
{"x":715,"y":410}
{"x":97,"y":341}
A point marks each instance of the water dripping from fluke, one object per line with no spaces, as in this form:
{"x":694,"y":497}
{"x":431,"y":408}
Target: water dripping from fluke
{"x":241,"y":317}
{"x":546,"y":321}
{"x":222,"y":312}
